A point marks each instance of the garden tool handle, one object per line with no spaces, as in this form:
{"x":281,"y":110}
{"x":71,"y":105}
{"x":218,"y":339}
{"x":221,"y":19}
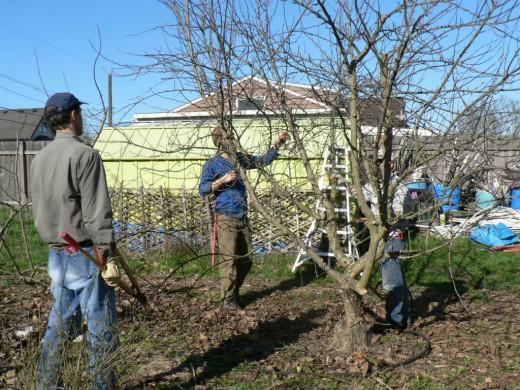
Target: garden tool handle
{"x":214,"y":239}
{"x":138,"y":294}
{"x":75,"y":245}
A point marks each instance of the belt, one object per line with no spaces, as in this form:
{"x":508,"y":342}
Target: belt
{"x":82,"y":244}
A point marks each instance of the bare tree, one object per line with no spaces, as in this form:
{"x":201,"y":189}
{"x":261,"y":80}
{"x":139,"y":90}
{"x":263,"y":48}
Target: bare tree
{"x":407,"y":83}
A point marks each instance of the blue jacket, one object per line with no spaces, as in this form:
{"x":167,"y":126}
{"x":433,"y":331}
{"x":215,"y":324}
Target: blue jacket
{"x":231,"y":199}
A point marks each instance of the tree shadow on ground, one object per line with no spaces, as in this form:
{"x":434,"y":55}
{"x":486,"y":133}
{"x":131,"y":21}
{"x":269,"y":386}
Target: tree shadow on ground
{"x":303,"y":277}
{"x":431,"y":302}
{"x":253,"y":346}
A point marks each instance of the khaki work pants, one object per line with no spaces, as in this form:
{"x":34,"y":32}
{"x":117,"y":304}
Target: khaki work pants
{"x":234,"y":243}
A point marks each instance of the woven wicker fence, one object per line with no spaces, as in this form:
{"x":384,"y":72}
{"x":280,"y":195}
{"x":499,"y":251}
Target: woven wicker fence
{"x":162,"y":219}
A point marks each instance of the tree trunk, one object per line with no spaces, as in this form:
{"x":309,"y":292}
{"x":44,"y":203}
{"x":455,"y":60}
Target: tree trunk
{"x":351,"y":333}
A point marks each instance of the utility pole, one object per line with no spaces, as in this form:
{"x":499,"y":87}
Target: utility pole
{"x":109,"y":108}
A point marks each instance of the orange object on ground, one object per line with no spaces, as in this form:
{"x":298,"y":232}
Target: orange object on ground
{"x":505,"y":248}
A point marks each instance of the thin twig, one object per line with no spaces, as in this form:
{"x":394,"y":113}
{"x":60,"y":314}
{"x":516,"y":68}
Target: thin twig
{"x":453,"y":278}
{"x":40,"y":73}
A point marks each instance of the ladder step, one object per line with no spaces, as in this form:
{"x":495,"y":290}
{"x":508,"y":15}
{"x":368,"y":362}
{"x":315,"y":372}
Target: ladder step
{"x":335,"y":164}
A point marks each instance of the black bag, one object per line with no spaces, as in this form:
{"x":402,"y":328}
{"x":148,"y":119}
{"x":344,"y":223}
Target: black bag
{"x":419,"y":202}
{"x":398,"y":296}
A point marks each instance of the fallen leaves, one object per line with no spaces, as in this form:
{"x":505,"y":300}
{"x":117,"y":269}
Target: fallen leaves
{"x":186,"y":334}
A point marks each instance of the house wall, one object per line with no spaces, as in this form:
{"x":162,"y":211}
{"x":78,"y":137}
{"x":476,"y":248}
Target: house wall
{"x":172,"y":155}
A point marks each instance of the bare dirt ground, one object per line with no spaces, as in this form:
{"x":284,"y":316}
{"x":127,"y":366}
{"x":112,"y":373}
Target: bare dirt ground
{"x":185,"y":339}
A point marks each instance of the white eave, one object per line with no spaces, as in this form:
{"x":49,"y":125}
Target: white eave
{"x":168,"y":116}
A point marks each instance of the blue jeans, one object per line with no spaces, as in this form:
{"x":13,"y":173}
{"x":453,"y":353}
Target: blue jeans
{"x":78,"y":288}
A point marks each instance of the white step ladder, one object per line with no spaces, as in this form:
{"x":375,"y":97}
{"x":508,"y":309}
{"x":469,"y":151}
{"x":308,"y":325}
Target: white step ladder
{"x":335,"y":166}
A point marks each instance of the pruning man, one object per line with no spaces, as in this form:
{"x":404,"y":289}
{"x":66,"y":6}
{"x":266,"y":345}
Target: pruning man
{"x":69,"y":193}
{"x":220,"y":176}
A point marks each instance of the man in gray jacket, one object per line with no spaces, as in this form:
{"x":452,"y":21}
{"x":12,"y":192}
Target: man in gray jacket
{"x":69,"y":193}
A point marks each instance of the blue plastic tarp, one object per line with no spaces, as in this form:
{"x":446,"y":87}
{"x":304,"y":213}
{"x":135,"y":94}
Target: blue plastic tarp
{"x":493,"y":235}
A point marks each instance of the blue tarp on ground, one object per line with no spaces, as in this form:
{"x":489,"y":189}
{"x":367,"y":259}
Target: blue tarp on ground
{"x":139,"y":239}
{"x":493,"y":235}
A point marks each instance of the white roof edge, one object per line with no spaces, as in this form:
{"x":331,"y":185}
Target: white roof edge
{"x":207,"y":114}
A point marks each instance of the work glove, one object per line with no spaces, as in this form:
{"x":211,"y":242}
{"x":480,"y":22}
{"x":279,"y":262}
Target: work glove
{"x":111,"y":273}
{"x":109,"y":260}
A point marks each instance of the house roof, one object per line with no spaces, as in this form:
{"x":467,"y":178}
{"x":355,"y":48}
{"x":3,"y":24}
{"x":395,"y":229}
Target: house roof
{"x":19,"y":123}
{"x":301,"y":99}
{"x":298,"y":96}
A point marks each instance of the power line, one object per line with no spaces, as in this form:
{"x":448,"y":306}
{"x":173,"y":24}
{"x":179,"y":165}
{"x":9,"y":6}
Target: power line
{"x":22,"y":95}
{"x":20,"y":82}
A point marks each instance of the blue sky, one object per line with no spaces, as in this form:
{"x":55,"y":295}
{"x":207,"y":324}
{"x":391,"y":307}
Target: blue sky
{"x":58,"y":32}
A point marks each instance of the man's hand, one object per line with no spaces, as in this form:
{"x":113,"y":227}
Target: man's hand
{"x":108,"y":259}
{"x":281,"y":140}
{"x":111,"y":273}
{"x":229,"y":177}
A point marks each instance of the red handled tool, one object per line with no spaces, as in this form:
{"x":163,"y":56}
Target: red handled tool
{"x":134,"y":291}
{"x":77,"y":248}
{"x":214,"y":242}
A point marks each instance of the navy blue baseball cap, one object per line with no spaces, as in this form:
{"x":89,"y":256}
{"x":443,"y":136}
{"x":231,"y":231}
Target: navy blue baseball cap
{"x":64,"y":101}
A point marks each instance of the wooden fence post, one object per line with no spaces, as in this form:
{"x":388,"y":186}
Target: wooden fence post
{"x":143,"y":220}
{"x":22,"y":172}
{"x":186,"y":228}
{"x":124,"y":212}
{"x":165,"y":218}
